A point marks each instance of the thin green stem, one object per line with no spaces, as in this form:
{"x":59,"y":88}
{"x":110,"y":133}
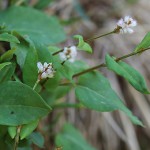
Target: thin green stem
{"x":36,"y":83}
{"x":104,"y":65}
{"x":99,"y":36}
{"x":88,"y":70}
{"x":67,"y":105}
{"x":88,"y":40}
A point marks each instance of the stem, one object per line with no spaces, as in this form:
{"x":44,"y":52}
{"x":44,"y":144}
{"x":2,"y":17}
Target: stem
{"x":88,"y":40}
{"x":104,"y":65}
{"x":17,"y":137}
{"x":36,"y":83}
{"x":57,"y":52}
{"x":99,"y":36}
{"x":66,"y":105}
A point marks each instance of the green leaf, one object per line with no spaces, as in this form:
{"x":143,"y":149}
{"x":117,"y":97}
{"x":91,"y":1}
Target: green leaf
{"x":71,"y":139}
{"x":37,"y":139}
{"x":145,"y":43}
{"x":66,"y":71}
{"x":7,"y":72}
{"x":51,"y":96}
{"x":30,"y":71}
{"x":27,"y":129}
{"x":129,"y":73}
{"x":82,"y":45}
{"x":44,"y":55}
{"x":21,"y":50}
{"x":12,"y":131}
{"x":41,"y":29}
{"x":21,"y":106}
{"x":7,"y":55}
{"x":94,"y":91}
{"x":42,"y":4}
{"x":8,"y":38}
{"x":4,"y":64}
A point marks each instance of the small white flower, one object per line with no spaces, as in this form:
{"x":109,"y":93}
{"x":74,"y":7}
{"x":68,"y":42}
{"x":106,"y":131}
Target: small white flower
{"x":69,"y":53}
{"x":45,"y":71}
{"x":125,"y":25}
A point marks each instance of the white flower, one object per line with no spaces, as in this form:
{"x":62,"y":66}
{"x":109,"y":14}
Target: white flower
{"x":46,"y":70}
{"x":69,"y":53}
{"x":125,"y":25}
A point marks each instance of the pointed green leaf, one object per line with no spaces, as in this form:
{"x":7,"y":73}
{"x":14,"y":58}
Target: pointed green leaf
{"x":27,"y":129}
{"x":7,"y":72}
{"x":12,"y":131}
{"x":22,"y":49}
{"x":129,"y":73}
{"x":7,"y":55}
{"x":71,"y":139}
{"x":30,"y":71}
{"x":98,"y":95}
{"x":37,"y":139}
{"x":8,"y":38}
{"x":2,"y":65}
{"x":82,"y":45}
{"x":145,"y":43}
{"x":19,"y":104}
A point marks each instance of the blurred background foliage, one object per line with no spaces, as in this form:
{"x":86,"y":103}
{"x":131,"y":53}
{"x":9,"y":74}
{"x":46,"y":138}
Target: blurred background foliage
{"x":105,"y":131}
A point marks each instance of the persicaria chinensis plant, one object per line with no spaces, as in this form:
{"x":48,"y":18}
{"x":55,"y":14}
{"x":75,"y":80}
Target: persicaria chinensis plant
{"x":35,"y":74}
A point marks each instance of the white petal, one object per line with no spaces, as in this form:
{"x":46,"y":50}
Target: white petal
{"x":133,"y":23}
{"x":62,"y":56}
{"x":44,"y":75}
{"x":120,"y":23}
{"x":127,"y":18}
{"x":40,"y":67}
{"x":129,"y":30}
{"x":45,"y":65}
{"x":48,"y":71}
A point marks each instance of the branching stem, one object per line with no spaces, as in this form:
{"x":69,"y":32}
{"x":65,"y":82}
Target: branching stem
{"x":88,"y":40}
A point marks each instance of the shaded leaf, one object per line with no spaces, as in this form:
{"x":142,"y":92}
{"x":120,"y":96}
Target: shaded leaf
{"x":40,"y":28}
{"x":21,"y":106}
{"x":129,"y":73}
{"x":27,"y":129}
{"x":21,"y":50}
{"x":8,"y":38}
{"x":2,"y":65}
{"x":7,"y":55}
{"x":98,"y":95}
{"x":7,"y":72}
{"x":30,"y":71}
{"x":37,"y":139}
{"x":71,"y":139}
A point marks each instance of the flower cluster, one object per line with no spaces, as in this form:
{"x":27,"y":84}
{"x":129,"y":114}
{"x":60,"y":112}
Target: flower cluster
{"x":69,"y":53}
{"x":45,"y":71}
{"x":125,"y":25}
